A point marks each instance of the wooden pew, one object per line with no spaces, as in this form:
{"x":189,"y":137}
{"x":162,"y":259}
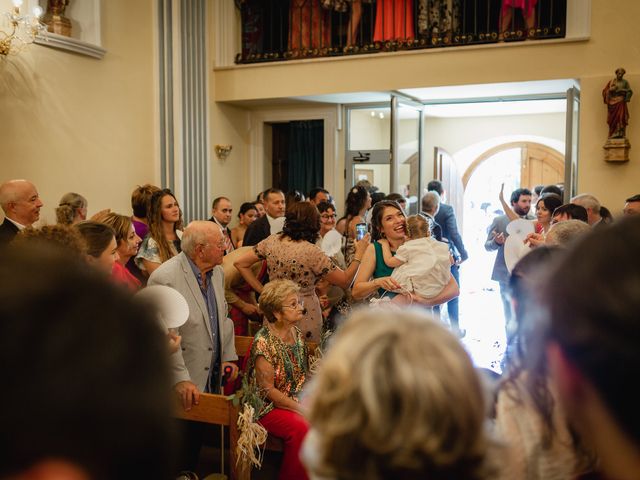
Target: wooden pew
{"x":243,"y":343}
{"x":217,"y":410}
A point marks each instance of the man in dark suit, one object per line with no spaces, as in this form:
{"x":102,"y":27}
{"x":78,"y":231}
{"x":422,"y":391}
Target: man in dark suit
{"x":521,"y":204}
{"x":21,"y":204}
{"x":446,"y":218}
{"x":221,"y":211}
{"x":270,"y":223}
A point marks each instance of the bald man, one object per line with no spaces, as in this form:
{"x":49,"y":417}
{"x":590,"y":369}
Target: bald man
{"x":21,"y":205}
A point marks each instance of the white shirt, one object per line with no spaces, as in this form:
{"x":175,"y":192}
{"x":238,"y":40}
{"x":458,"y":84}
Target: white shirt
{"x":19,"y":225}
{"x":276,"y":224}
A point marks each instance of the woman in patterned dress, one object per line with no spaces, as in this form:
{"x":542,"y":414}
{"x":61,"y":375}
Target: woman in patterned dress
{"x":293,"y":255}
{"x":278,"y":370}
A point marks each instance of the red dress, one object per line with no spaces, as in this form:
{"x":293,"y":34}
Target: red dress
{"x":123,"y":276}
{"x":394,"y":20}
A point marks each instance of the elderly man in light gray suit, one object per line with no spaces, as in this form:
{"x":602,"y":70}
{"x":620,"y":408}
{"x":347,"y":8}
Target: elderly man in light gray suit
{"x":207,"y":337}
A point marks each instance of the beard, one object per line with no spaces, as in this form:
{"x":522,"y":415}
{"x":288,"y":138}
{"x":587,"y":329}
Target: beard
{"x":520,"y":211}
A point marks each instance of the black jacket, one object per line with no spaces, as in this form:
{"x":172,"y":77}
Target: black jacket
{"x":7,"y":231}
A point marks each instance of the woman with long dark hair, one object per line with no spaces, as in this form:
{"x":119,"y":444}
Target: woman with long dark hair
{"x":539,"y":442}
{"x":356,"y":206}
{"x":246,"y":216}
{"x":388,"y":221}
{"x":165,"y":231}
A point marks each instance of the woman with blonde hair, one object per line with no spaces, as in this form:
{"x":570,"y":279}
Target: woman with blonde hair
{"x":128,"y":242}
{"x":278,"y":370}
{"x":396,"y":397}
{"x":165,"y":231}
{"x":72,"y":209}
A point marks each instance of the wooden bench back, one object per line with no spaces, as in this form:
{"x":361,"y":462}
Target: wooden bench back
{"x":217,"y":410}
{"x":243,"y":343}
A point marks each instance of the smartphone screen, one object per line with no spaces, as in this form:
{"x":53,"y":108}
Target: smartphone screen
{"x":361,"y":230}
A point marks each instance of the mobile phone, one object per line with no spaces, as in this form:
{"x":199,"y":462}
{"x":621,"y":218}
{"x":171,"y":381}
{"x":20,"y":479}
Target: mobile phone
{"x":361,"y":230}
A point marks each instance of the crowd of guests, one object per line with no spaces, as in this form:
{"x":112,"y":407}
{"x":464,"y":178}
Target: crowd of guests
{"x":394,"y":394}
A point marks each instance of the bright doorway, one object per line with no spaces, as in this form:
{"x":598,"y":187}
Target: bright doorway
{"x":473,"y":138}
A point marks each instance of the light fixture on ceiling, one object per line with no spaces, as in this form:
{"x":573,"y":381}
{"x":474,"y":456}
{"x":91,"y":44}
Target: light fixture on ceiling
{"x":381,"y":115}
{"x":22,"y":29}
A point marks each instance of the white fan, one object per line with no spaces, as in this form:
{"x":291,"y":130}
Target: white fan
{"x":173,"y":310}
{"x":514,"y":246}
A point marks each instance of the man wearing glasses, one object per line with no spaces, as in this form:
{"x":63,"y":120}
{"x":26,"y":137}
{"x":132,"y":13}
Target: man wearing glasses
{"x":207,"y":336}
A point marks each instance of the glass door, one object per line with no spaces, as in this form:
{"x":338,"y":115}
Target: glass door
{"x":407,"y":160}
{"x":368,"y":154}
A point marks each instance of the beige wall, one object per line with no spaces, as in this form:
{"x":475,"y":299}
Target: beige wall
{"x":229,"y":178}
{"x":75,"y":123}
{"x":613,"y":41}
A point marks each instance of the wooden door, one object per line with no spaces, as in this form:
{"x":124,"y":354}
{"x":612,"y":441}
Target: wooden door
{"x":541,"y":166}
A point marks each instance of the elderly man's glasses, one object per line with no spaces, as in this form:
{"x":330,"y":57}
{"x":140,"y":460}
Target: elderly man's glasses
{"x":221,"y":245}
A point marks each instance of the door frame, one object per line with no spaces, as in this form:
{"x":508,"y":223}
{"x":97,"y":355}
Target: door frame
{"x":260,"y":153}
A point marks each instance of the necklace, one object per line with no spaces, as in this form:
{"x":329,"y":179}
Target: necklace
{"x":292,"y":356}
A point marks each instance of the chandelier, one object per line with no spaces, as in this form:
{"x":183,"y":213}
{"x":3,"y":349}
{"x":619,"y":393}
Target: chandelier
{"x":21,"y":29}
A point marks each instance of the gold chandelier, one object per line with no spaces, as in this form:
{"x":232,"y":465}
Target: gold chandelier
{"x":21,"y":29}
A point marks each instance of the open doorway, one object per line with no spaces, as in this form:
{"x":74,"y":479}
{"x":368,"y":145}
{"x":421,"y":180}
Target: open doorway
{"x":520,"y":134}
{"x":297,"y":155}
{"x":474,"y":155}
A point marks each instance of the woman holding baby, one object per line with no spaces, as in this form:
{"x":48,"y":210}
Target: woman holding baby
{"x":389,"y":226}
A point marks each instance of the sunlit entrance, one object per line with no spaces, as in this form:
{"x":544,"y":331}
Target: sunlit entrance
{"x":473,"y":138}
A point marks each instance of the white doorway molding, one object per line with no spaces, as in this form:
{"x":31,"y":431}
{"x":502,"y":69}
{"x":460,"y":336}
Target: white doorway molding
{"x":260,"y":155}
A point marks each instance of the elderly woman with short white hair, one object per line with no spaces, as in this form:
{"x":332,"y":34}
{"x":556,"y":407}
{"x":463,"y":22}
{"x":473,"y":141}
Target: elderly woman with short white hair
{"x":278,"y":371}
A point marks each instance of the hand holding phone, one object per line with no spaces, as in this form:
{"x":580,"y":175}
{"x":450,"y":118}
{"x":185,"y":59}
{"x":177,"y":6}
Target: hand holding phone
{"x":361,"y":230}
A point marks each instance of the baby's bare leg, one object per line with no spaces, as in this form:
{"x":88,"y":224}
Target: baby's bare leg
{"x":401,"y":299}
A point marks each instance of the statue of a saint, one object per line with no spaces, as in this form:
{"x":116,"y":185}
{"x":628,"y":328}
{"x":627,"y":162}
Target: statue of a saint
{"x":54,"y":17}
{"x":616,"y":94}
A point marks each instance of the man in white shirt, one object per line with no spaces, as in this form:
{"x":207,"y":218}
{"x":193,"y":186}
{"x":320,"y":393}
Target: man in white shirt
{"x":21,"y":204}
{"x":269,"y":224}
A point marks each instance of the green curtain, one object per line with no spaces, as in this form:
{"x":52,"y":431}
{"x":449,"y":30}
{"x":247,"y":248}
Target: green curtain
{"x":305,"y":168}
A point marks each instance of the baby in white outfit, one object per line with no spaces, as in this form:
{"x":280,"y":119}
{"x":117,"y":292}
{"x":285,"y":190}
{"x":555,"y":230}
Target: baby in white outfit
{"x":422,"y":265}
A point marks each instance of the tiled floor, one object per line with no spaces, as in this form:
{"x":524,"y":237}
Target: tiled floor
{"x":481,"y":313}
